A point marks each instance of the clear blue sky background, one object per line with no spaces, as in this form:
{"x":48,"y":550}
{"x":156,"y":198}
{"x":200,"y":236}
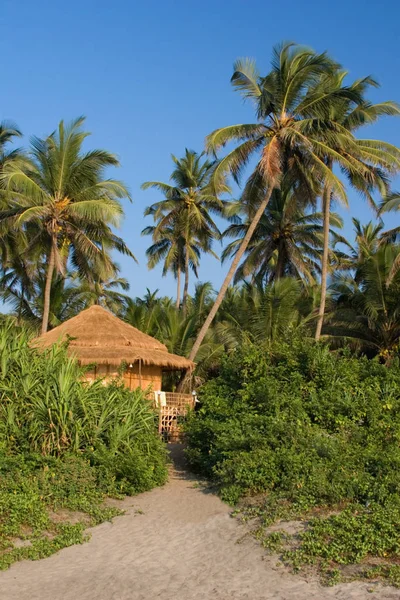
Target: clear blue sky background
{"x":153,"y":78}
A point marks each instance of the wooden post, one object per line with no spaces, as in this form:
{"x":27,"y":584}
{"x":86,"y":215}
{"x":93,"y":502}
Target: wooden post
{"x":160,"y":421}
{"x":140,"y":372}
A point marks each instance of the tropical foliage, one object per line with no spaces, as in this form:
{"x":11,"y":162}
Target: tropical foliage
{"x":318,"y":432}
{"x":58,"y":213}
{"x":184,"y":225}
{"x":297,"y":352}
{"x":299,"y":135}
{"x":287,"y":241}
{"x":61,"y":207}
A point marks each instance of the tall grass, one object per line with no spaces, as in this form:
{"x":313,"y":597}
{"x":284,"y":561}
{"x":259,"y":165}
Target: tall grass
{"x":47,"y":408}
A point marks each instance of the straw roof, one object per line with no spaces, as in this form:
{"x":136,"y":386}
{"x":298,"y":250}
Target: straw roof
{"x":97,"y":336}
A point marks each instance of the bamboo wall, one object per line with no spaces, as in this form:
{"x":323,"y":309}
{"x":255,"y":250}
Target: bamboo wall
{"x":148,"y":375}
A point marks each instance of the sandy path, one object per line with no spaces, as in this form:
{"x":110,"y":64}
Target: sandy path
{"x":183,"y":547}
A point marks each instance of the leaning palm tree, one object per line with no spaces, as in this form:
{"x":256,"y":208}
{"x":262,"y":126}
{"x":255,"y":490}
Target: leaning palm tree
{"x":376,"y":159}
{"x":185,"y":212}
{"x":293,"y":135}
{"x":65,"y":204}
{"x":286,"y":242}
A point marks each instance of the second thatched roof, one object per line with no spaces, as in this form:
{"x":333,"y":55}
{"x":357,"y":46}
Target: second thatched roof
{"x":97,"y":336}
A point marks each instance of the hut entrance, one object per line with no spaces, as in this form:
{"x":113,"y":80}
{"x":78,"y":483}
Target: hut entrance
{"x":173,"y":408}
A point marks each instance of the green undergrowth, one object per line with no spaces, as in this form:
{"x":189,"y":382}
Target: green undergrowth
{"x":317,"y":435}
{"x":338,"y":543}
{"x":65,"y":446}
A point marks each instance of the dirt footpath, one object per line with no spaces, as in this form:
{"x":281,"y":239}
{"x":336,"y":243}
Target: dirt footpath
{"x":176,"y":543}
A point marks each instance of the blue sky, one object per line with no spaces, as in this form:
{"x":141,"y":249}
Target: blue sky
{"x":153,"y":78}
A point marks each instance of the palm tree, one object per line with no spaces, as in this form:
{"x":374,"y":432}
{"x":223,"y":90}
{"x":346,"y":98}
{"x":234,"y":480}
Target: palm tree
{"x":367,"y":311}
{"x":63,"y":196}
{"x":104,"y":292}
{"x":391,"y":203}
{"x":66,"y":301}
{"x":185,"y":212}
{"x":8,"y":131}
{"x":277,"y":308}
{"x":18,"y":274}
{"x":286,"y":241}
{"x":293,"y":134}
{"x":368,"y":239}
{"x":374,"y":158}
{"x":170,"y":247}
{"x":141,"y":315}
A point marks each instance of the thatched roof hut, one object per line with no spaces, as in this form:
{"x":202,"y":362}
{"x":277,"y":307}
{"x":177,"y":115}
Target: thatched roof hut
{"x":98,"y":337}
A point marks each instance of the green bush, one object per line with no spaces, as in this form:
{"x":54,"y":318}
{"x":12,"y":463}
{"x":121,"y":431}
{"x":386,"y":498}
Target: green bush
{"x":309,"y":428}
{"x":316,"y":425}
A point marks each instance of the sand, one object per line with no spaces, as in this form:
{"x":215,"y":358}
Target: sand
{"x":177,"y":542}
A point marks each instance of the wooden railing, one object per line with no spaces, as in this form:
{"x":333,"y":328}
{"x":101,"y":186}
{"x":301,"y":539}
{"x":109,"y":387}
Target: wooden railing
{"x":173,"y":407}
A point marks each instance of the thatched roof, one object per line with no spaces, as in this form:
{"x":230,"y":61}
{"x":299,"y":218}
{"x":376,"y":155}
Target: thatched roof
{"x":97,"y":336}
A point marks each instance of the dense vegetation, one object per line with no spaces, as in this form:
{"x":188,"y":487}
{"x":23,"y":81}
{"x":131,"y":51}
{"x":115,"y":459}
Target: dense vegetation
{"x":313,"y":429}
{"x":311,"y":424}
{"x":65,"y":444}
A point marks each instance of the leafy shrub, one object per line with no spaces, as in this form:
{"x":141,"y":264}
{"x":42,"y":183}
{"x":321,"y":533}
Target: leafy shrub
{"x":311,"y":428}
{"x":316,"y":425}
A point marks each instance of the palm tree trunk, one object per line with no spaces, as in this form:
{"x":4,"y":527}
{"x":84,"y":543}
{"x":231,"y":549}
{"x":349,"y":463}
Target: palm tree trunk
{"x":47,"y":290}
{"x":186,"y":285}
{"x":280,"y":265}
{"x":231,"y":272}
{"x":324,"y":267}
{"x":178,"y":289}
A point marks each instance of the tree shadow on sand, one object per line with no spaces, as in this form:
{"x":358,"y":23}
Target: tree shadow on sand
{"x":180,"y":469}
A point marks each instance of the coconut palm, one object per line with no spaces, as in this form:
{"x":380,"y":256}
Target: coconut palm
{"x":185,"y":213}
{"x":63,"y":196}
{"x":368,"y":239}
{"x":8,"y":131}
{"x":391,"y":203}
{"x":170,"y":248}
{"x":66,"y":301}
{"x":293,"y":135}
{"x":18,"y":274}
{"x":375,"y":159}
{"x":286,"y":241}
{"x":368,"y":308}
{"x":104,"y":292}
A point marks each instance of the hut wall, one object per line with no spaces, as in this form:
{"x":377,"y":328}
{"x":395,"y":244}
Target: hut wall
{"x":150,"y":375}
